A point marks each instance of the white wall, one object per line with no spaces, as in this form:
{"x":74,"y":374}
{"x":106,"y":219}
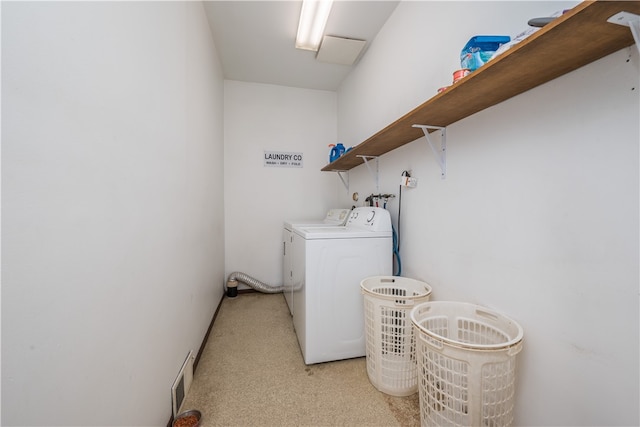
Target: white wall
{"x":112,"y":218}
{"x":538,"y":215}
{"x":258,"y":199}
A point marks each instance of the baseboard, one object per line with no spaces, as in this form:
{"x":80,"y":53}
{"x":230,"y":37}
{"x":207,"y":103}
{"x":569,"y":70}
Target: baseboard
{"x":202,"y":346}
{"x":206,"y":336}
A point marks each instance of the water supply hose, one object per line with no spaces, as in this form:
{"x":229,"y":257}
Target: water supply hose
{"x":396,"y":252}
{"x":235,"y":277}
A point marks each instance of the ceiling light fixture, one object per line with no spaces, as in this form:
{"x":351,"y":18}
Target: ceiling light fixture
{"x":313,"y":19}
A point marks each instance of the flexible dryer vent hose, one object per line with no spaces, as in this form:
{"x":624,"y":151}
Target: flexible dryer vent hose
{"x":235,"y":277}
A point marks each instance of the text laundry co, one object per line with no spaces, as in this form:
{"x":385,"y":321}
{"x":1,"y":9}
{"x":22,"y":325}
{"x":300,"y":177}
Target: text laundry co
{"x":282,"y":159}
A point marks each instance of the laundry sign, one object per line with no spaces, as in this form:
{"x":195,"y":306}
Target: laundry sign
{"x":282,"y":159}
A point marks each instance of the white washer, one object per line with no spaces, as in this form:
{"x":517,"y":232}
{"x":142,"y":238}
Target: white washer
{"x":334,"y":217}
{"x":328,"y":265}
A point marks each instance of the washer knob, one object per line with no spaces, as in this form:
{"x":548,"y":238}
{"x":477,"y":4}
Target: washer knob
{"x":371,"y":215}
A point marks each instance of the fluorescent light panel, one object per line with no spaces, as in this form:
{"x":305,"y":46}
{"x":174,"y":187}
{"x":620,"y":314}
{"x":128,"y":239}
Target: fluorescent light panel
{"x":313,"y":19}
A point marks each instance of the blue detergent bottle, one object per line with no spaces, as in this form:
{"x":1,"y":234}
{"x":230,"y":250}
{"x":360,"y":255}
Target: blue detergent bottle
{"x":337,"y":150}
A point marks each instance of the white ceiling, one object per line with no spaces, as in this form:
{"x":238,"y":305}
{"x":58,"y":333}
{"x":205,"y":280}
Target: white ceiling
{"x":255,"y":39}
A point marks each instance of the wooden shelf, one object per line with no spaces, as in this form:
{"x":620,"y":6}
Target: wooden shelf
{"x":577,"y":38}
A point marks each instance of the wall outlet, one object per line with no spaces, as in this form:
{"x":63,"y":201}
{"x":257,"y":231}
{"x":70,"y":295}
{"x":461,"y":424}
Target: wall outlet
{"x":407,"y":181}
{"x":182,"y":384}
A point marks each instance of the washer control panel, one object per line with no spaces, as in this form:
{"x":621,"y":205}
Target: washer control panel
{"x":337,"y":216}
{"x":370,"y":218}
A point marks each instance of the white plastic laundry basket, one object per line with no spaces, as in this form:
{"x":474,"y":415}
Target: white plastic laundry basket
{"x":466,"y":357}
{"x":390,"y":344}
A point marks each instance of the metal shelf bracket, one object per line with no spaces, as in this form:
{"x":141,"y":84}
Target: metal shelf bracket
{"x":344,"y":178}
{"x":373,"y":174}
{"x":441,"y":155}
{"x":630,"y":20}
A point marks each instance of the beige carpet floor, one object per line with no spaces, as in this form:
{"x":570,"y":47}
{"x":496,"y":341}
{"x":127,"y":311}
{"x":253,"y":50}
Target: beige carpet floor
{"x":251,"y":373}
